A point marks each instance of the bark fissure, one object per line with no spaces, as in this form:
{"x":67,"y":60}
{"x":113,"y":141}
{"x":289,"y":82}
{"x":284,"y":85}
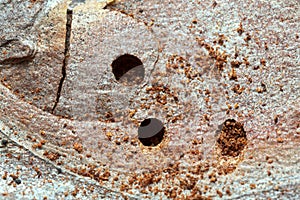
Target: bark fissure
{"x":66,"y":56}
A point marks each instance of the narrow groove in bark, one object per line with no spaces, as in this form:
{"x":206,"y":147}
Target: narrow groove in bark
{"x":66,"y":56}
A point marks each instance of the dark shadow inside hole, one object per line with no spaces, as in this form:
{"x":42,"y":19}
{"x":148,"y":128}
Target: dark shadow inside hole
{"x":145,"y":122}
{"x":128,"y":69}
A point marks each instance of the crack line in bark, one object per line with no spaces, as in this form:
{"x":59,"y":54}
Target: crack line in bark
{"x":66,"y":56}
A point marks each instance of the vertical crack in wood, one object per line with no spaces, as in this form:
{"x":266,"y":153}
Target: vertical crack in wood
{"x":66,"y":56}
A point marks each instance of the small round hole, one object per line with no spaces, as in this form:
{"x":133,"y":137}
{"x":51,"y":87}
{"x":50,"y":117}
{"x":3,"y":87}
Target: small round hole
{"x":128,"y":69}
{"x":151,"y":132}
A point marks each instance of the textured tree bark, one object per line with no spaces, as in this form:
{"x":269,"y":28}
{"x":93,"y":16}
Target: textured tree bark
{"x":78,"y":78}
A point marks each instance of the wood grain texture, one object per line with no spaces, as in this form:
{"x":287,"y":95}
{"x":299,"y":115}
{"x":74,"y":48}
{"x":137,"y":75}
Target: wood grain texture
{"x":204,"y":63}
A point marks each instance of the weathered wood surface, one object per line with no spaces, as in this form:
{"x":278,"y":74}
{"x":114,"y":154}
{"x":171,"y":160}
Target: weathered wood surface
{"x":205,"y":62}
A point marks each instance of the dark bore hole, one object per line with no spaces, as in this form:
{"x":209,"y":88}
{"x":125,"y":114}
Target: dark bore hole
{"x":17,"y":181}
{"x":128,"y":69}
{"x":151,"y":132}
{"x":232,"y":138}
{"x":4,"y":142}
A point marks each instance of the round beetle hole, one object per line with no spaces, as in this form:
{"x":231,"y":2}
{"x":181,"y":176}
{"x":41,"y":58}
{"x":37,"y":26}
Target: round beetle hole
{"x":232,"y":138}
{"x":128,"y":69}
{"x":151,"y":132}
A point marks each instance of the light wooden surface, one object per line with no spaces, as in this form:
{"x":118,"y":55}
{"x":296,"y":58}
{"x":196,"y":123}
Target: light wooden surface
{"x":189,"y":50}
